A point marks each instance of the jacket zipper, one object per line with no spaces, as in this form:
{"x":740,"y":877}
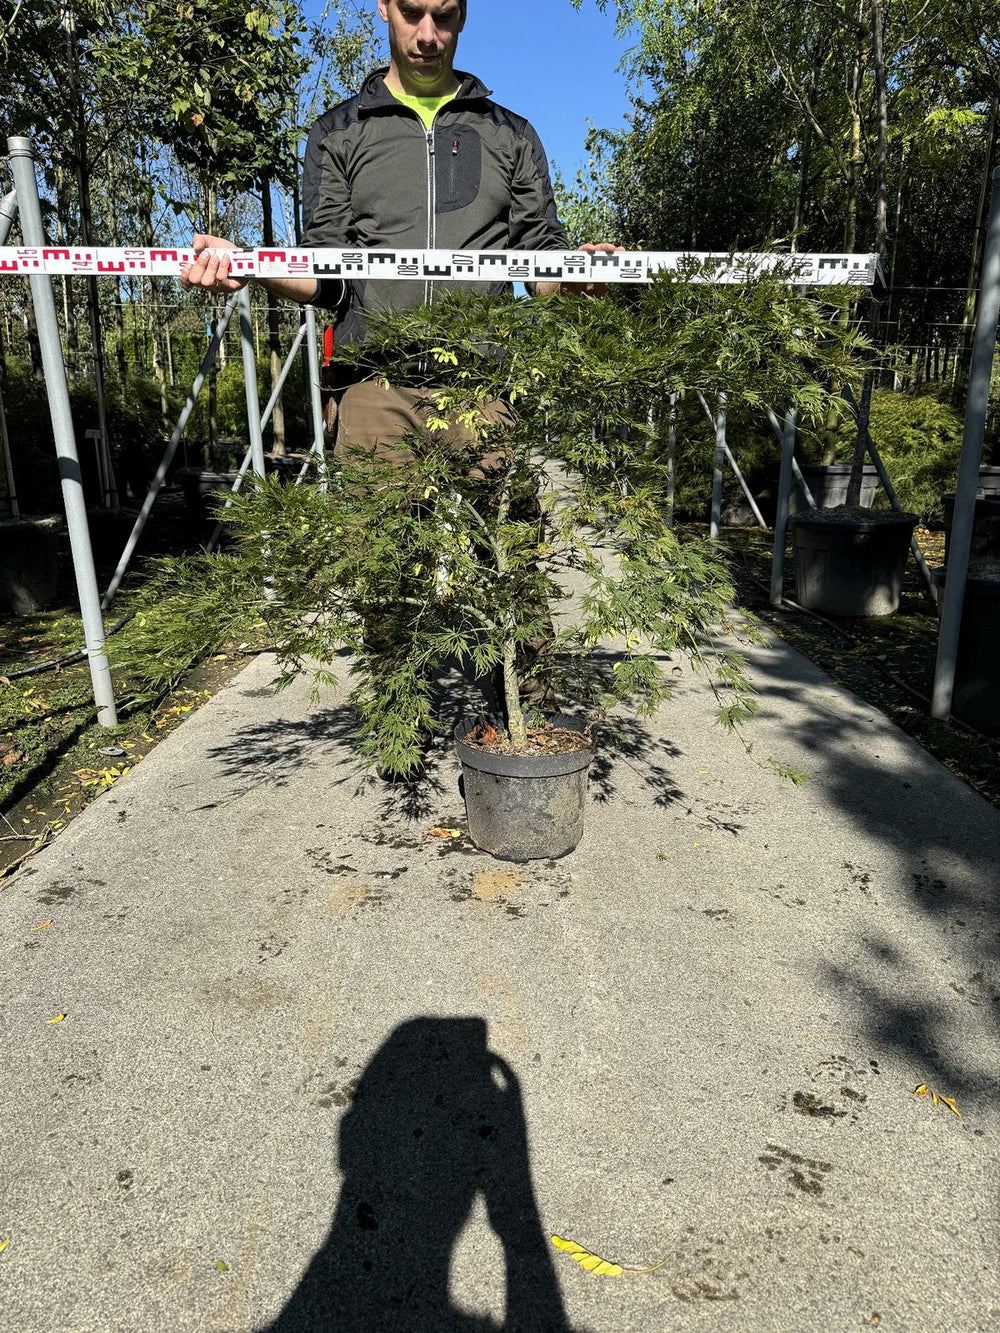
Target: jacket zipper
{"x":431,"y":207}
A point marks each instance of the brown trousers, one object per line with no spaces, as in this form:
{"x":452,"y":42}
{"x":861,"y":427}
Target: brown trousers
{"x":376,"y":416}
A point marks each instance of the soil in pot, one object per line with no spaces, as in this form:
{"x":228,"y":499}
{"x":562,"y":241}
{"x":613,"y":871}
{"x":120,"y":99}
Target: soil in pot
{"x":527,"y":806}
{"x":29,"y":563}
{"x":850,"y":561}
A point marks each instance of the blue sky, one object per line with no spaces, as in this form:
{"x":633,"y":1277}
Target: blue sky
{"x":549,"y":63}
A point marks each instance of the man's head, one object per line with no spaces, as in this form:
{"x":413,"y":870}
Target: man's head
{"x":423,"y":38}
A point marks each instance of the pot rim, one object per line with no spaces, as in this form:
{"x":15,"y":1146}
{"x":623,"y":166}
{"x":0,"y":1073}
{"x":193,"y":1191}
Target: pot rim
{"x":522,"y":765}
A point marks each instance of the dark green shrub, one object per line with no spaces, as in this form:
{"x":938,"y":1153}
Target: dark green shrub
{"x":920,"y":439}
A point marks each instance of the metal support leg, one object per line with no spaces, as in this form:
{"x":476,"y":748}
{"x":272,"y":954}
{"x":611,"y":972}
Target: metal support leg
{"x":671,"y":458}
{"x":723,"y":453}
{"x":250,"y":383}
{"x":171,"y":449}
{"x":800,"y":480}
{"x":784,"y":495}
{"x":22,"y":165}
{"x":980,"y":374}
{"x":315,"y":396}
{"x":8,"y":212}
{"x":890,"y":491}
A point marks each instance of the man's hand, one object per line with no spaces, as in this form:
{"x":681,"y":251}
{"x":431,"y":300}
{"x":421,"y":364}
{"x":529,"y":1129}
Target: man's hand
{"x":210,"y":270}
{"x":598,"y":248}
{"x":581,"y":288}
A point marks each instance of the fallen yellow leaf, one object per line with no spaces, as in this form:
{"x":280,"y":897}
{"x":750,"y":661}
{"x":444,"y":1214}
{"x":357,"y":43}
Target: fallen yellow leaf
{"x":591,"y":1263}
{"x":45,"y":925}
{"x":444,"y":833}
{"x":3,"y":1245}
{"x":950,"y":1103}
{"x":922,"y":1091}
{"x":58,"y":1019}
{"x":935,"y":1098}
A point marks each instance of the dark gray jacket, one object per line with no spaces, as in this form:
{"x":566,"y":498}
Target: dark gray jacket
{"x":374,"y":177}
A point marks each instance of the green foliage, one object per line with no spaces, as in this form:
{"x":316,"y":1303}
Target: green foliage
{"x":920,"y":439}
{"x":407,"y":563}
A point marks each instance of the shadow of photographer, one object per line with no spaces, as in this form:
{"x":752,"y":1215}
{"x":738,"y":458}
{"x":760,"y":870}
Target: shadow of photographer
{"x":437,"y":1120}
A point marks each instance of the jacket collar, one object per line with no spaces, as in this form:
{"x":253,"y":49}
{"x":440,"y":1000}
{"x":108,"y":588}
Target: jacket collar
{"x":375,"y":96}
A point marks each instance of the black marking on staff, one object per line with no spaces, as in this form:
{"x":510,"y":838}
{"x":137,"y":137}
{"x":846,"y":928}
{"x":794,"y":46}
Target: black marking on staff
{"x":437,"y":271}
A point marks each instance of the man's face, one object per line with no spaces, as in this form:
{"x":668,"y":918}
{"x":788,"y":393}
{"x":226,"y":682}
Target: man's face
{"x":423,"y":37}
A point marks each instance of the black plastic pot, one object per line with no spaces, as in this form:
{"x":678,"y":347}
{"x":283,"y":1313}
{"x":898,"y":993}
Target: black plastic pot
{"x":204,"y":490}
{"x":29,"y":563}
{"x":976,"y":697}
{"x":828,"y":483}
{"x":984,"y":556}
{"x":850,"y":566}
{"x":525,"y":808}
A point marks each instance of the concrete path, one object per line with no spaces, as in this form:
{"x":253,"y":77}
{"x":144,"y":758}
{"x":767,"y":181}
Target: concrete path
{"x":321,"y":1071}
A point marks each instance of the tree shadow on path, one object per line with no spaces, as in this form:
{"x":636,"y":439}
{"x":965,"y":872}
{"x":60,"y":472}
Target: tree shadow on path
{"x":437,"y":1119}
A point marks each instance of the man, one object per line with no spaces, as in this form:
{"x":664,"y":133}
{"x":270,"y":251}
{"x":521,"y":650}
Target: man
{"x":421,"y":158}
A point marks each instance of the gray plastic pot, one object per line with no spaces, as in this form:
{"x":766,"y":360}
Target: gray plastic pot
{"x":29,"y":563}
{"x":976,"y":697}
{"x":850,"y":567}
{"x":524,"y":807}
{"x":828,"y":484}
{"x":984,"y":554}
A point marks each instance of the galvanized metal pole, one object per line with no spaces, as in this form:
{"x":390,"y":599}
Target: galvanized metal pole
{"x":784,"y":495}
{"x":671,"y":458}
{"x":960,"y":544}
{"x":168,"y":453}
{"x":890,"y":491}
{"x":720,"y":458}
{"x":22,"y":164}
{"x":803,"y":485}
{"x":315,"y":384}
{"x":8,"y":212}
{"x":250,"y":382}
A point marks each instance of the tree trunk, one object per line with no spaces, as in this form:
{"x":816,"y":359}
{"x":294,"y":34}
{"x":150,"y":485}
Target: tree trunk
{"x":882,"y":152}
{"x":118,"y":307}
{"x":31,"y":333}
{"x":805,"y":151}
{"x":69,"y":305}
{"x":273,"y":330}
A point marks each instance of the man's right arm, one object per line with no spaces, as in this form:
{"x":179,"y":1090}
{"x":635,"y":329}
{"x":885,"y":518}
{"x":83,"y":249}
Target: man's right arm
{"x":327,"y":215}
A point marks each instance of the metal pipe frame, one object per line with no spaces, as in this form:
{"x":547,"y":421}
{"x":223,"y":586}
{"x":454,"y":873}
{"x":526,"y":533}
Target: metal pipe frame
{"x":727,"y":454}
{"x":22,"y":164}
{"x":671,"y":458}
{"x":8,"y":211}
{"x":890,"y":490}
{"x":960,"y":544}
{"x":265,"y":418}
{"x":785,"y":479}
{"x":254,"y":428}
{"x":315,"y":398}
{"x":171,"y":449}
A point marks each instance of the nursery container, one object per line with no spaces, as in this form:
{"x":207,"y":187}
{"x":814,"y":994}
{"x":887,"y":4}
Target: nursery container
{"x":525,"y":807}
{"x":851,"y":562}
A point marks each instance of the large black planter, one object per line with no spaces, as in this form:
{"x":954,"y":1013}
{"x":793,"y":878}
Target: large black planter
{"x":976,"y":698}
{"x":29,"y":563}
{"x":984,"y":555}
{"x":849,"y":563}
{"x":204,"y":491}
{"x":525,"y":808}
{"x":828,"y":483}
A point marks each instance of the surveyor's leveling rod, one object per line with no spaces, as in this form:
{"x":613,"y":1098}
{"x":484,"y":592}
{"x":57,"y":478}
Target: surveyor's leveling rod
{"x":500,"y":266}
